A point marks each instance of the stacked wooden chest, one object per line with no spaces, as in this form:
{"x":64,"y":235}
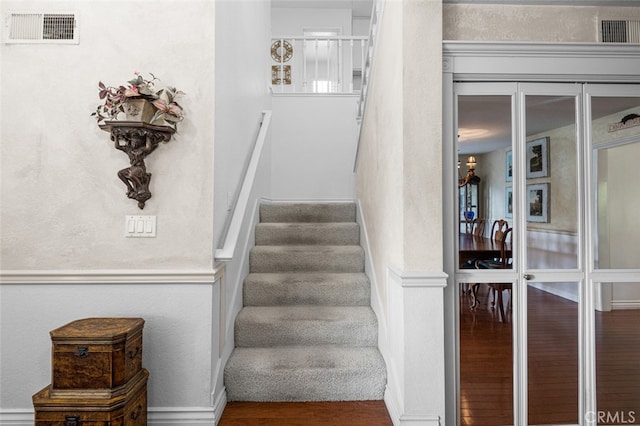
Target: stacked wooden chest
{"x":97,"y":375}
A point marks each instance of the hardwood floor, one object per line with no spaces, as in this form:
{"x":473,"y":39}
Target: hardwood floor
{"x":353,"y":413}
{"x":486,"y":354}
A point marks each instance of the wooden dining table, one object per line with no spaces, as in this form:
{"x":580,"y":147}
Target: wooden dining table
{"x":483,"y":248}
{"x":476,"y":247}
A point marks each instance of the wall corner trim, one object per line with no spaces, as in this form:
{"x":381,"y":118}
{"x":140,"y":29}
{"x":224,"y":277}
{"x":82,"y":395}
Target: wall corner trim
{"x":419,"y":278}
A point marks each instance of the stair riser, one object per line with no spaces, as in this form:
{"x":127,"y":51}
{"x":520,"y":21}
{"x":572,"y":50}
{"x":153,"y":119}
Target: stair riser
{"x":296,"y":373}
{"x":303,"y":212}
{"x":312,"y":332}
{"x":309,"y":385}
{"x":296,"y":234}
{"x":326,"y":294}
{"x":309,"y":261}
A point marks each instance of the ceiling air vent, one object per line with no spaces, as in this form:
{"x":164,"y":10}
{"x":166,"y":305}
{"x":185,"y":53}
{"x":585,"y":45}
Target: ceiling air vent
{"x":42,"y":28}
{"x":619,"y":31}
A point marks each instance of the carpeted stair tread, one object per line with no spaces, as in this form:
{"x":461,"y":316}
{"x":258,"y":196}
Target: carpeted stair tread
{"x":307,"y":258}
{"x":258,"y":326}
{"x":330,"y":233}
{"x":307,"y":288}
{"x":308,"y":212}
{"x":305,"y":373}
{"x":306,"y":331}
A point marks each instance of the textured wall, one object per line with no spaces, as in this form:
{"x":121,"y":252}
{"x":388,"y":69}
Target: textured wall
{"x":63,"y":206}
{"x":379,"y":180}
{"x":399,"y":184}
{"x":399,"y":167}
{"x":484,"y":22}
{"x":422,"y":106}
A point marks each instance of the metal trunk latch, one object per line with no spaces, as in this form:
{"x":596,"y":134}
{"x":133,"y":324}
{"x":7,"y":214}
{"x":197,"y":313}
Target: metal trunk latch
{"x":82,"y":351}
{"x":72,"y":421}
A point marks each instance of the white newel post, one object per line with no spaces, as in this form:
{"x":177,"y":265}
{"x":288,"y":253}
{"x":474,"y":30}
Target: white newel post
{"x":416,"y":380}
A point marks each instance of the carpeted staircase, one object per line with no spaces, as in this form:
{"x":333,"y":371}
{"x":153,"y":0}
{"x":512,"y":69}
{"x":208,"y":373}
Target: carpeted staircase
{"x":306,"y":331}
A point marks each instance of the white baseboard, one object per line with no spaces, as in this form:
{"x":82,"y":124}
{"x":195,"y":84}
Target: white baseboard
{"x":625,"y":304}
{"x":176,"y":416}
{"x":393,"y":407}
{"x":407,"y":419}
{"x":166,"y":416}
{"x":16,"y":417}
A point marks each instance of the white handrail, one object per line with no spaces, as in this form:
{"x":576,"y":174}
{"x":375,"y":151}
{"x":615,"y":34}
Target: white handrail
{"x":233,"y":234}
{"x":376,"y":21}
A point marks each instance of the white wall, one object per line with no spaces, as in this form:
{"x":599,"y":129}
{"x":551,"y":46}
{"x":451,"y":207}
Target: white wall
{"x":313,"y":147}
{"x":360,"y":25}
{"x":63,"y":207}
{"x":618,"y":249}
{"x":243,"y":38}
{"x":380,"y":151}
{"x":177,"y":342}
{"x":294,"y":21}
{"x":399,"y":186}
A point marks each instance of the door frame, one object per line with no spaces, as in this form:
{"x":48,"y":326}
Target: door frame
{"x":514,"y":62}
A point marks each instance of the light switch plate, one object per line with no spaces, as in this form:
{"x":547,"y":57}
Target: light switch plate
{"x":138,"y":226}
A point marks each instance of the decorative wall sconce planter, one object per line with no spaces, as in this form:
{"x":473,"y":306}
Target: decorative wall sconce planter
{"x":137,"y":139}
{"x":152,"y":116}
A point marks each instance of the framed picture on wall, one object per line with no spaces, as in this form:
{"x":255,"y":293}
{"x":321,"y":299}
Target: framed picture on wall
{"x":509,"y":166}
{"x":538,"y":158}
{"x":508,"y":202}
{"x":538,"y":202}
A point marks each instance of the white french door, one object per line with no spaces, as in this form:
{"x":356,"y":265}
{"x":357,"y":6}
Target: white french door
{"x":555,"y":160}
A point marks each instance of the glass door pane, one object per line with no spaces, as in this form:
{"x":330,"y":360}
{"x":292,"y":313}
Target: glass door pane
{"x":615,"y":136}
{"x":552,"y":342}
{"x":486,"y":358}
{"x":485,"y":331}
{"x":616,"y":143}
{"x":484,"y":174}
{"x":551,"y":193}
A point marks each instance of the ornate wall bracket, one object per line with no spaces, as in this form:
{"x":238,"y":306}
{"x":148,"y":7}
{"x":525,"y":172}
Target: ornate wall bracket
{"x":137,"y":140}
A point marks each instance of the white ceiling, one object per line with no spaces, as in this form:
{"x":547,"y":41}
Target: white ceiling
{"x":484,"y":122}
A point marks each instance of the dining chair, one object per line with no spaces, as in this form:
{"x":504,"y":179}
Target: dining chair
{"x":479,"y":226}
{"x":504,"y":262}
{"x":477,"y":229}
{"x":498,"y":229}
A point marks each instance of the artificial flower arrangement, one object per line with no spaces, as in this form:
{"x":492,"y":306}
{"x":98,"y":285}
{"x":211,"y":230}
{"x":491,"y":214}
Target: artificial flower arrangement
{"x":163,"y":99}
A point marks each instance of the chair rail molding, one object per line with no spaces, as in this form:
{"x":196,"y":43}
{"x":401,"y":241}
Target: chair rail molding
{"x":113,"y":276}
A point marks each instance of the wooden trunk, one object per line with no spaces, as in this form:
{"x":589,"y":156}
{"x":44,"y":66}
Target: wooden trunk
{"x":96,"y":357}
{"x":129,"y":409}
